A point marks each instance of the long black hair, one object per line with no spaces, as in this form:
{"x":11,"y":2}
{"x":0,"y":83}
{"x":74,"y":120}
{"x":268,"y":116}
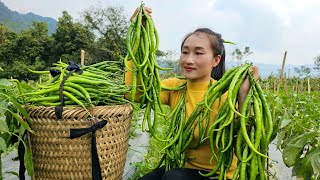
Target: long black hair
{"x":218,"y":49}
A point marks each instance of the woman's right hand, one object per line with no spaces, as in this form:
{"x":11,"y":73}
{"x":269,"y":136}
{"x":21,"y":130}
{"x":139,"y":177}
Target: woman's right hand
{"x":147,"y":9}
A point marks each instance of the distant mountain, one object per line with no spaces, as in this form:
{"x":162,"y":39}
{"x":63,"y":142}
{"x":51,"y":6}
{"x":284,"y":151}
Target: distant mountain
{"x":265,"y":70}
{"x":17,"y":22}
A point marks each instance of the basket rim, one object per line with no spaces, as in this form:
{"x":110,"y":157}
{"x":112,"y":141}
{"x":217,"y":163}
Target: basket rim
{"x":78,"y":107}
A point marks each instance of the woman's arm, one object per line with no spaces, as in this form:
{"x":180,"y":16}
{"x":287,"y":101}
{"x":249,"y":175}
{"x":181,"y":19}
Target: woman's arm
{"x":245,"y":87}
{"x":129,"y":75}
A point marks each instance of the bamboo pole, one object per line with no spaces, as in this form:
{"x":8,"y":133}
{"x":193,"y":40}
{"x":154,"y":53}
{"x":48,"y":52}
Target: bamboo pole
{"x":82,"y":56}
{"x":309,"y":88}
{"x":282,"y":69}
{"x":293,"y":87}
{"x":301,"y":88}
{"x":285,"y":84}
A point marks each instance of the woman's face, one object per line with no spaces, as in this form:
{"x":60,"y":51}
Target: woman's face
{"x":197,"y":58}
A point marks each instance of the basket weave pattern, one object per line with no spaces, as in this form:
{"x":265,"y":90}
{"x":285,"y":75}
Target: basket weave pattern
{"x":58,"y":157}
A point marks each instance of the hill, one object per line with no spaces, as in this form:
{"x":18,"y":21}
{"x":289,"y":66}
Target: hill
{"x":265,"y":70}
{"x":17,"y":22}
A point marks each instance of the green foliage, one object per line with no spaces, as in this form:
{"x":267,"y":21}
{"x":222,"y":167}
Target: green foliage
{"x":241,"y":55}
{"x":303,"y":71}
{"x":26,"y":50}
{"x":111,"y":25}
{"x":14,"y":121}
{"x":317,"y":62}
{"x":298,"y":125}
{"x":34,"y":49}
{"x":70,"y":38}
{"x":153,"y":155}
{"x":101,"y":34}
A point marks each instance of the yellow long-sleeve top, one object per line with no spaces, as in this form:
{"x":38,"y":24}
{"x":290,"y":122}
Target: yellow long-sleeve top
{"x":198,"y":158}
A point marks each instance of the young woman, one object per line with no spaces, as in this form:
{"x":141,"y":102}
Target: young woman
{"x":202,"y":60}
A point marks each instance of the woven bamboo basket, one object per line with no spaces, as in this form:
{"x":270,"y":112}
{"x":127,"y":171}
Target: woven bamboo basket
{"x":56,"y":156}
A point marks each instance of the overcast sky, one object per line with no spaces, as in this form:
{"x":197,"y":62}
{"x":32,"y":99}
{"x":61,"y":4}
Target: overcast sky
{"x":268,"y":27}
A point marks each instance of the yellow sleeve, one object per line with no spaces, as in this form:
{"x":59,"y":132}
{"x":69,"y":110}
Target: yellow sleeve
{"x":128,"y":75}
{"x":164,"y":95}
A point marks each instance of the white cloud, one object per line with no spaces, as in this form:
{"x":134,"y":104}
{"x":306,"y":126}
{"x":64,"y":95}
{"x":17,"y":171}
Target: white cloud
{"x":211,"y":3}
{"x":269,"y":27}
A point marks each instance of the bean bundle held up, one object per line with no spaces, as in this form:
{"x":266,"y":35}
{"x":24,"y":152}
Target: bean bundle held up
{"x":142,"y":45}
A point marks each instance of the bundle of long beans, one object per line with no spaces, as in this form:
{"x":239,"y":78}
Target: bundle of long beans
{"x":142,"y":45}
{"x":96,"y":84}
{"x":254,"y":117}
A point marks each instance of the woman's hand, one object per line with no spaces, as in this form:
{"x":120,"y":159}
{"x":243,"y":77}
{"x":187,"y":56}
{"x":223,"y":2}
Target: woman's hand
{"x":245,"y":87}
{"x":147,"y":9}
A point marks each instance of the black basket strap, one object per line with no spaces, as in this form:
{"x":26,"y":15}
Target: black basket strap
{"x":21,"y":149}
{"x":73,"y":67}
{"x":75,"y":133}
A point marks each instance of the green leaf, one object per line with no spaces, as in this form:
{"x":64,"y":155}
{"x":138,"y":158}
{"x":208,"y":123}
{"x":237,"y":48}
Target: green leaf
{"x":28,"y":162}
{"x":315,"y":161}
{"x":301,"y":102}
{"x":281,"y":135}
{"x":3,"y":124}
{"x":3,"y":145}
{"x":21,"y":131}
{"x":285,"y":122}
{"x":304,"y":167}
{"x":5,"y":82}
{"x":294,"y":149}
{"x":290,"y":155}
{"x":21,"y":110}
{"x":7,"y":138}
{"x":21,"y":121}
{"x":1,"y":69}
{"x":301,"y":140}
{"x":3,"y":107}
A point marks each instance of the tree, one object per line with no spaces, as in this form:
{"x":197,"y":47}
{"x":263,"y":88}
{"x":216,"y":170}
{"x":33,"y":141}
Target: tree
{"x":6,"y":34}
{"x":29,"y":49}
{"x":111,"y":25}
{"x":167,"y":55}
{"x":317,"y":62}
{"x":7,"y":45}
{"x":303,"y":71}
{"x":70,"y":38}
{"x":241,"y":55}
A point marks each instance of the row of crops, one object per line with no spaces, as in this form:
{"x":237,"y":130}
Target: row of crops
{"x":297,"y":117}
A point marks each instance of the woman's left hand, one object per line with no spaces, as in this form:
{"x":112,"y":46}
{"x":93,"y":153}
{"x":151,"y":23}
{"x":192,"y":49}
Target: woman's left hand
{"x":245,"y":86}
